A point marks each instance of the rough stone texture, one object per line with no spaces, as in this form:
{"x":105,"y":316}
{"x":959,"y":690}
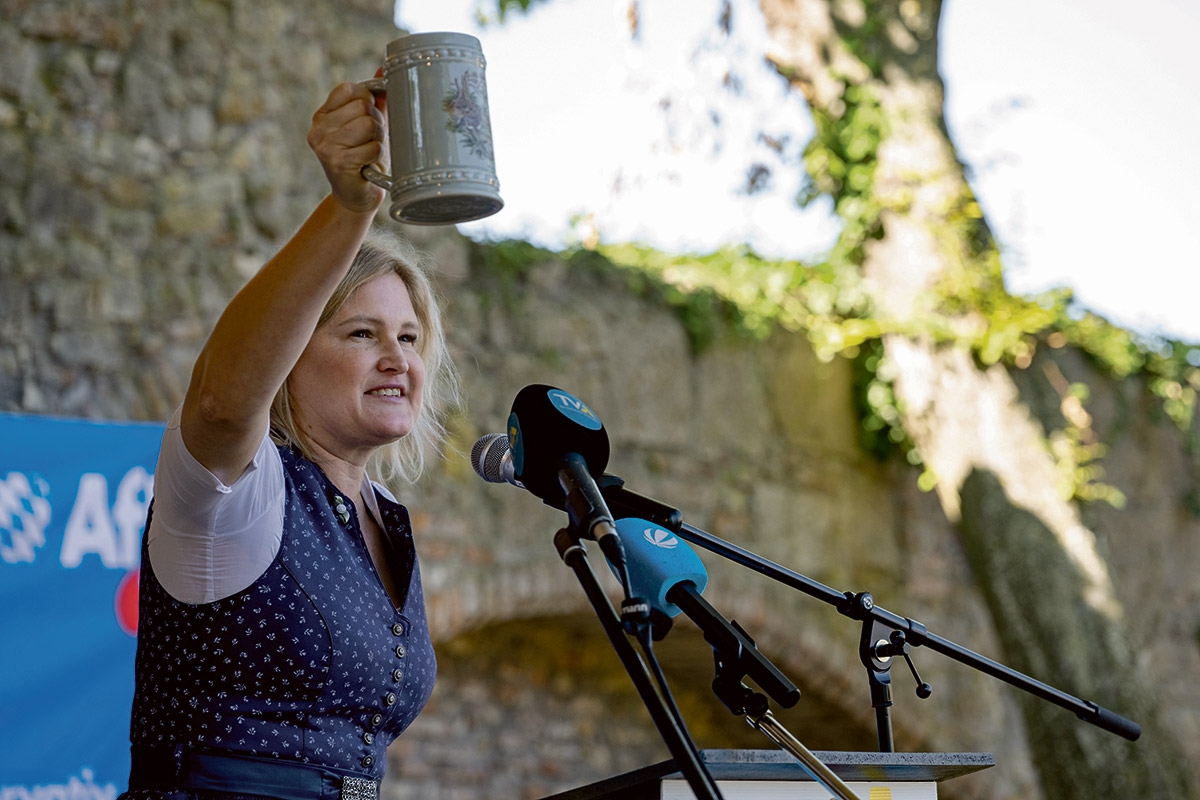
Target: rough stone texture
{"x":152,"y":155}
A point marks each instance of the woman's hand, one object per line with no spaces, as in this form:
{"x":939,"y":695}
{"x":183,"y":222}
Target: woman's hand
{"x":349,"y":132}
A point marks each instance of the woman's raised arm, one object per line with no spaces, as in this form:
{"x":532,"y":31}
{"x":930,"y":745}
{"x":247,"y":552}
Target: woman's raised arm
{"x":264,"y":329}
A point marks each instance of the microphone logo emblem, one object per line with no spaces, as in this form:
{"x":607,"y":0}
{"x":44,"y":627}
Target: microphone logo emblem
{"x":516,"y":443}
{"x":660,"y":538}
{"x":574,"y":409}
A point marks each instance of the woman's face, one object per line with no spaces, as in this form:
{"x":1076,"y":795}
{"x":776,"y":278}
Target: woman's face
{"x":358,"y":384}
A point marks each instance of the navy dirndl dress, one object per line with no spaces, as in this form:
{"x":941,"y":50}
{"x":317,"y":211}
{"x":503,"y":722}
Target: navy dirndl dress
{"x":296,"y":685}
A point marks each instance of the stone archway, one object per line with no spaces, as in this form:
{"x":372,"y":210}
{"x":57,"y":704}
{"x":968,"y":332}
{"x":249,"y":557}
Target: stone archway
{"x":531,"y":707}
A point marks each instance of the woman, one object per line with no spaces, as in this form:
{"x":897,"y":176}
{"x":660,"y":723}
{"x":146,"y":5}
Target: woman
{"x":282,"y":639}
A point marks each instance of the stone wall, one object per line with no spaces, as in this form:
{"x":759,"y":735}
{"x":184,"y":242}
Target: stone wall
{"x":151,"y":157}
{"x":756,"y":445}
{"x":152,"y":154}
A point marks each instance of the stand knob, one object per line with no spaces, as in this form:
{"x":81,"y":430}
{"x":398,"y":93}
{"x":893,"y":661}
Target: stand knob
{"x":897,"y":645}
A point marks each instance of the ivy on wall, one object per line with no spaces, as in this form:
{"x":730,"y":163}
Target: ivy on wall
{"x":733,"y":289}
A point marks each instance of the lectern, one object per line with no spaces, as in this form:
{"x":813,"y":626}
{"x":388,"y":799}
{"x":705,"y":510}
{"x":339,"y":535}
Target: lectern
{"x":776,"y":775}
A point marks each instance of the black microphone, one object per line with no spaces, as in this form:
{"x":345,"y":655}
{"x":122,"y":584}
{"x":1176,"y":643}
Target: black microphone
{"x":558,"y":445}
{"x":492,"y":459}
{"x":546,"y":424}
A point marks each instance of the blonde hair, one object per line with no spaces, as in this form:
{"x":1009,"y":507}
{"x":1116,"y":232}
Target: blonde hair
{"x":382,"y":253}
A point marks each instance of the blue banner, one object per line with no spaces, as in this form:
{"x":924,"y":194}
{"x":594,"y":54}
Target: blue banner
{"x":73,"y":499}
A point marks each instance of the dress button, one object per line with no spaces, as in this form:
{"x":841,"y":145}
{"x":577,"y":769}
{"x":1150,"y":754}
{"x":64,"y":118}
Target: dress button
{"x":367,"y":761}
{"x":376,"y":719}
{"x":397,"y":675}
{"x":400,"y":651}
{"x":368,"y":738}
{"x":390,"y":698}
{"x":398,"y":629}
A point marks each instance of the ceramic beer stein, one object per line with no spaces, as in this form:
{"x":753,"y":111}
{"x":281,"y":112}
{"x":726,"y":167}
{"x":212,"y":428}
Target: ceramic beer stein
{"x":443,"y":167}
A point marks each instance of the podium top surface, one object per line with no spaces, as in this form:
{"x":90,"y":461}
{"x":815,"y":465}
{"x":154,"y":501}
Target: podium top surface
{"x":776,"y":765}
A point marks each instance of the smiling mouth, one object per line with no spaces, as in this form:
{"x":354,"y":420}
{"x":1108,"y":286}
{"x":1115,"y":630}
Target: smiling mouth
{"x":387,"y":392}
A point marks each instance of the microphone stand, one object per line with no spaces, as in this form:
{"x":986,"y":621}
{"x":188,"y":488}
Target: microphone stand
{"x":736,"y":657}
{"x":574,"y":555}
{"x":877,"y":647}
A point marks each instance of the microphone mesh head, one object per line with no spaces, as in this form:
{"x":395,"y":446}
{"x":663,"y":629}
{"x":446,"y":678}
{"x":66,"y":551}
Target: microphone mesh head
{"x":487,"y":457}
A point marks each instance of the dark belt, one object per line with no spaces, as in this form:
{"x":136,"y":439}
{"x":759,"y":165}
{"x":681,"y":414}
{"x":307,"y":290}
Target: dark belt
{"x":229,"y":774}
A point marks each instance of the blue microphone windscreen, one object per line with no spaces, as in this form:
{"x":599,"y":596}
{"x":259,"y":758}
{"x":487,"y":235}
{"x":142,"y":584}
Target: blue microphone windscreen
{"x":657,"y":560}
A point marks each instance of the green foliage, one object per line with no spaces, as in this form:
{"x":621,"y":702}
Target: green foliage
{"x":840,"y":162}
{"x":509,"y":259}
{"x":1010,"y":328}
{"x":973,"y":308}
{"x":702,"y":308}
{"x":825,"y":303}
{"x":508,"y":262}
{"x":734,"y":289}
{"x":862,"y":39}
{"x":502,"y":9}
{"x":881,"y":430}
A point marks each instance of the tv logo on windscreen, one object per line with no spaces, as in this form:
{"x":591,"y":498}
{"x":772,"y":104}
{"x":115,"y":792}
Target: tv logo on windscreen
{"x":660,"y":538}
{"x":574,"y":409}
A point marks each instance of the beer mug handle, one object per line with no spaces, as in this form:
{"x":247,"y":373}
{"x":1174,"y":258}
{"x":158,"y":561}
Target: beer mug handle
{"x":376,"y":86}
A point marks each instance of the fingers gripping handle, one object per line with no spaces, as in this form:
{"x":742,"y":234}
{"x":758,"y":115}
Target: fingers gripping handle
{"x":376,"y":86}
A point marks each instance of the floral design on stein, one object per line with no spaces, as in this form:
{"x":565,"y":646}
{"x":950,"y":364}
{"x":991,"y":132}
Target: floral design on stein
{"x":466,"y":106}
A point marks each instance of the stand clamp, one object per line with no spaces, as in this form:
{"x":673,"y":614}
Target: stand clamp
{"x":878,"y":645}
{"x":742,"y":700}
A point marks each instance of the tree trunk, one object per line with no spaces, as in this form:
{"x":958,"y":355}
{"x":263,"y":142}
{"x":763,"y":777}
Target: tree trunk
{"x":911,"y":223}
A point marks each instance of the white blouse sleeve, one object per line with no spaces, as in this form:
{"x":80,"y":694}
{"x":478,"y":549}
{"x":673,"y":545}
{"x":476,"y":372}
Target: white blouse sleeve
{"x":208,"y":541}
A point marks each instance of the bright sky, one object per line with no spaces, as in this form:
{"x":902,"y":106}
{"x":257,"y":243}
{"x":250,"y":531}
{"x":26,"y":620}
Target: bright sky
{"x":1078,"y":119}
